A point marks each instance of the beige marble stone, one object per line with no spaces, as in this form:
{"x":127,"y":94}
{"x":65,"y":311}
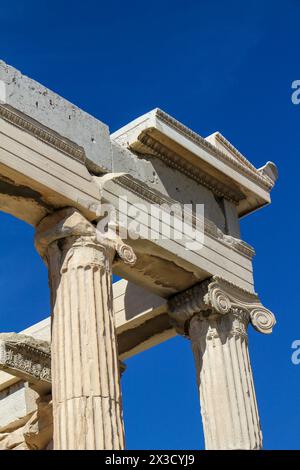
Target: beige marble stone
{"x":46,"y":166}
{"x":228,"y":403}
{"x":87,"y":405}
{"x":27,"y":358}
{"x":213,"y":162}
{"x":31,"y":432}
{"x":215,"y":316}
{"x":42,"y":170}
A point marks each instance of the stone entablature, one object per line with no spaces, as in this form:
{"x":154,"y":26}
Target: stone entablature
{"x":210,"y":228}
{"x":27,"y":358}
{"x":214,"y":298}
{"x":33,"y":431}
{"x":58,"y":165}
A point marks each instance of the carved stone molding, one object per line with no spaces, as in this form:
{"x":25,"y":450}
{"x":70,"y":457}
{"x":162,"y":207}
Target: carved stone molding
{"x":216,"y":297}
{"x":226,"y":389}
{"x":241,"y":165}
{"x":122,"y":367}
{"x":42,"y":133}
{"x":27,"y":358}
{"x":33,"y":432}
{"x":183,"y":306}
{"x":221,"y":326}
{"x":69,"y":223}
{"x":154,"y":197}
{"x":148,"y":145}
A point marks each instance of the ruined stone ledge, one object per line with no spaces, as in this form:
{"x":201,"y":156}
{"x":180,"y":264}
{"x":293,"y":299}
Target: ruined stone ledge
{"x":27,"y":358}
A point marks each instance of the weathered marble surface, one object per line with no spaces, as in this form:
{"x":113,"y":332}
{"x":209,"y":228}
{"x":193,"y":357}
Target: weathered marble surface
{"x":54,"y":156}
{"x":87,"y":137}
{"x":31,"y":432}
{"x":27,"y":358}
{"x":215,"y":316}
{"x":87,"y":404}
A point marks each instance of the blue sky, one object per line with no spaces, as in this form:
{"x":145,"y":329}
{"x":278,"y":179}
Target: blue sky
{"x":214,"y":65}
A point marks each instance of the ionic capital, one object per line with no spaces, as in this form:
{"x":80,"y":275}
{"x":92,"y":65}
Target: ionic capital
{"x":27,"y":358}
{"x":215,"y":297}
{"x":69,"y":223}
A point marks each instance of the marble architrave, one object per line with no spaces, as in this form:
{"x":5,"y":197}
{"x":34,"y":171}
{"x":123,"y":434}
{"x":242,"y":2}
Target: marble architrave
{"x":215,"y":316}
{"x":58,"y":165}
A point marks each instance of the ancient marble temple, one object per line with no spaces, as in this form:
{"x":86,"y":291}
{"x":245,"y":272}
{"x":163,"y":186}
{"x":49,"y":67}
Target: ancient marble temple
{"x":60,"y":379}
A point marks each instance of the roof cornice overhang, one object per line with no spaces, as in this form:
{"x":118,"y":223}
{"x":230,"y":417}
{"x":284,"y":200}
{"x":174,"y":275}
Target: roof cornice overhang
{"x":213,"y":162}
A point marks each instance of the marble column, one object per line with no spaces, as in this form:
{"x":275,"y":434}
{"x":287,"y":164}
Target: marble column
{"x":87,"y":405}
{"x":215,"y":316}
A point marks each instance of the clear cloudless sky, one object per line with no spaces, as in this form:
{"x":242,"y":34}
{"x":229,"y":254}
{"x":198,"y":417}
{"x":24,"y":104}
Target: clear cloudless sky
{"x":214,"y":65}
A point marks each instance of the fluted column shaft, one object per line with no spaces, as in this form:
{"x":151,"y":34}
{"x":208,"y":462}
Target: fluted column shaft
{"x":87,"y":408}
{"x":228,"y":403}
{"x":215,"y":315}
